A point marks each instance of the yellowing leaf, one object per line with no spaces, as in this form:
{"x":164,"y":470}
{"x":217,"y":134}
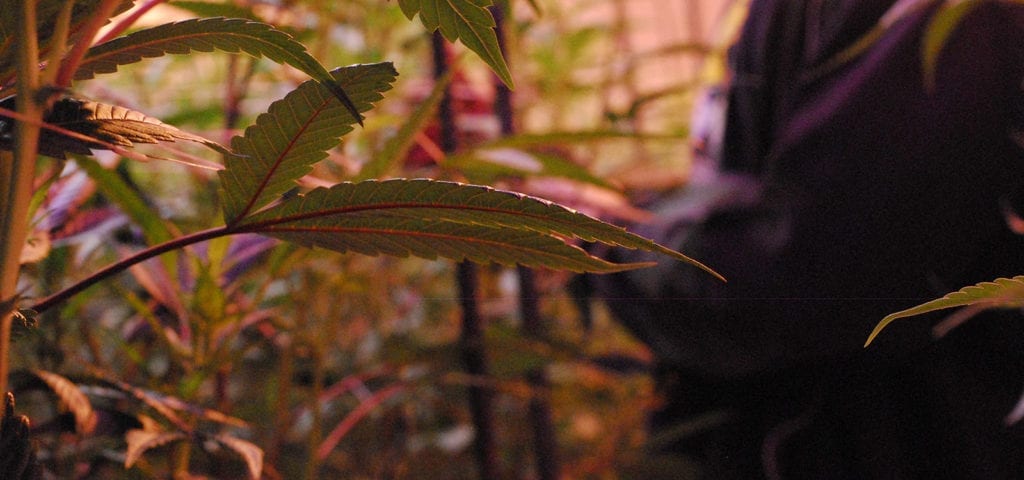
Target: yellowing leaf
{"x":1000,"y":293}
{"x":141,"y":440}
{"x":72,"y":398}
{"x":252,"y":454}
{"x":941,"y":26}
{"x":107,"y":124}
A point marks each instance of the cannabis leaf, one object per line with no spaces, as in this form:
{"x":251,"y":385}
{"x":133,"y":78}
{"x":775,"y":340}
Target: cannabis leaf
{"x":295,"y":133}
{"x":430,"y":219}
{"x":108,"y":124}
{"x":1000,"y":293}
{"x":466,"y":20}
{"x":206,"y":35}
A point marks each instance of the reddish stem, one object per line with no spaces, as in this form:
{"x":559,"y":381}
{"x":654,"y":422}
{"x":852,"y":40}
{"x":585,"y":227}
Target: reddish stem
{"x":74,"y":58}
{"x":127,"y":262}
{"x":128,"y":21}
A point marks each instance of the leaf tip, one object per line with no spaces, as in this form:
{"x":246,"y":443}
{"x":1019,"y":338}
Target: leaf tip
{"x":878,"y":329}
{"x":692,"y":261}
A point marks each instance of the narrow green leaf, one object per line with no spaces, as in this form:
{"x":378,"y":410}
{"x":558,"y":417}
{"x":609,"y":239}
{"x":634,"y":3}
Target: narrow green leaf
{"x":429,"y":218}
{"x":128,"y":200}
{"x":941,"y":26}
{"x":206,"y":35}
{"x":465,"y":20}
{"x":1001,"y":293}
{"x":397,"y":147}
{"x":208,"y":299}
{"x":295,"y":133}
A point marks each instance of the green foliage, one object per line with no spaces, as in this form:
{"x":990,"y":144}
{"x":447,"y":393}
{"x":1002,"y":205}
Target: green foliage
{"x":1000,"y":293}
{"x":205,"y":35}
{"x":295,"y":133}
{"x":429,"y":218}
{"x":127,"y":199}
{"x":173,"y":354}
{"x":465,"y":20}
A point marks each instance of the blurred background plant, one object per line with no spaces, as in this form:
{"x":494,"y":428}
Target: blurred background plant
{"x":320,"y":365}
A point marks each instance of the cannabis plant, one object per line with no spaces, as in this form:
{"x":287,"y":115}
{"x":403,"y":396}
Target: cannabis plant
{"x":48,"y":46}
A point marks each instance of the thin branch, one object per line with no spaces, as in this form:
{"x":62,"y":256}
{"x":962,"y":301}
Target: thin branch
{"x":59,"y":45}
{"x":128,"y":21}
{"x":127,"y":262}
{"x":85,"y":40}
{"x":353,"y":418}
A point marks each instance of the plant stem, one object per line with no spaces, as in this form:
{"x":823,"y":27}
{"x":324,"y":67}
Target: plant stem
{"x":316,"y":435}
{"x":181,"y":455}
{"x":474,"y":360}
{"x":128,"y":21}
{"x":85,"y":40}
{"x":471,"y":340}
{"x":127,"y":262}
{"x":17,"y":171}
{"x":545,"y":442}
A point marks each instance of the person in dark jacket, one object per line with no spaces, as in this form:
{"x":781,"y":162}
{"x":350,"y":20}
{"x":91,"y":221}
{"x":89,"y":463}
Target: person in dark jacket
{"x":849,"y":187}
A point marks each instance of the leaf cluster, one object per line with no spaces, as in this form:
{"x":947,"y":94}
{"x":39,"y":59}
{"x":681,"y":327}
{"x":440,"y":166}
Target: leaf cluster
{"x":261,"y":177}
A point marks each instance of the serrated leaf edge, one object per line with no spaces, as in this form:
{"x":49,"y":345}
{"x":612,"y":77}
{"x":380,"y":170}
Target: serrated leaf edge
{"x":597,"y":231}
{"x":989,"y":294}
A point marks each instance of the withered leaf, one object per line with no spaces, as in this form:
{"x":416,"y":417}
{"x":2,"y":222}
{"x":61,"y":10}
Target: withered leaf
{"x":104,"y":124}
